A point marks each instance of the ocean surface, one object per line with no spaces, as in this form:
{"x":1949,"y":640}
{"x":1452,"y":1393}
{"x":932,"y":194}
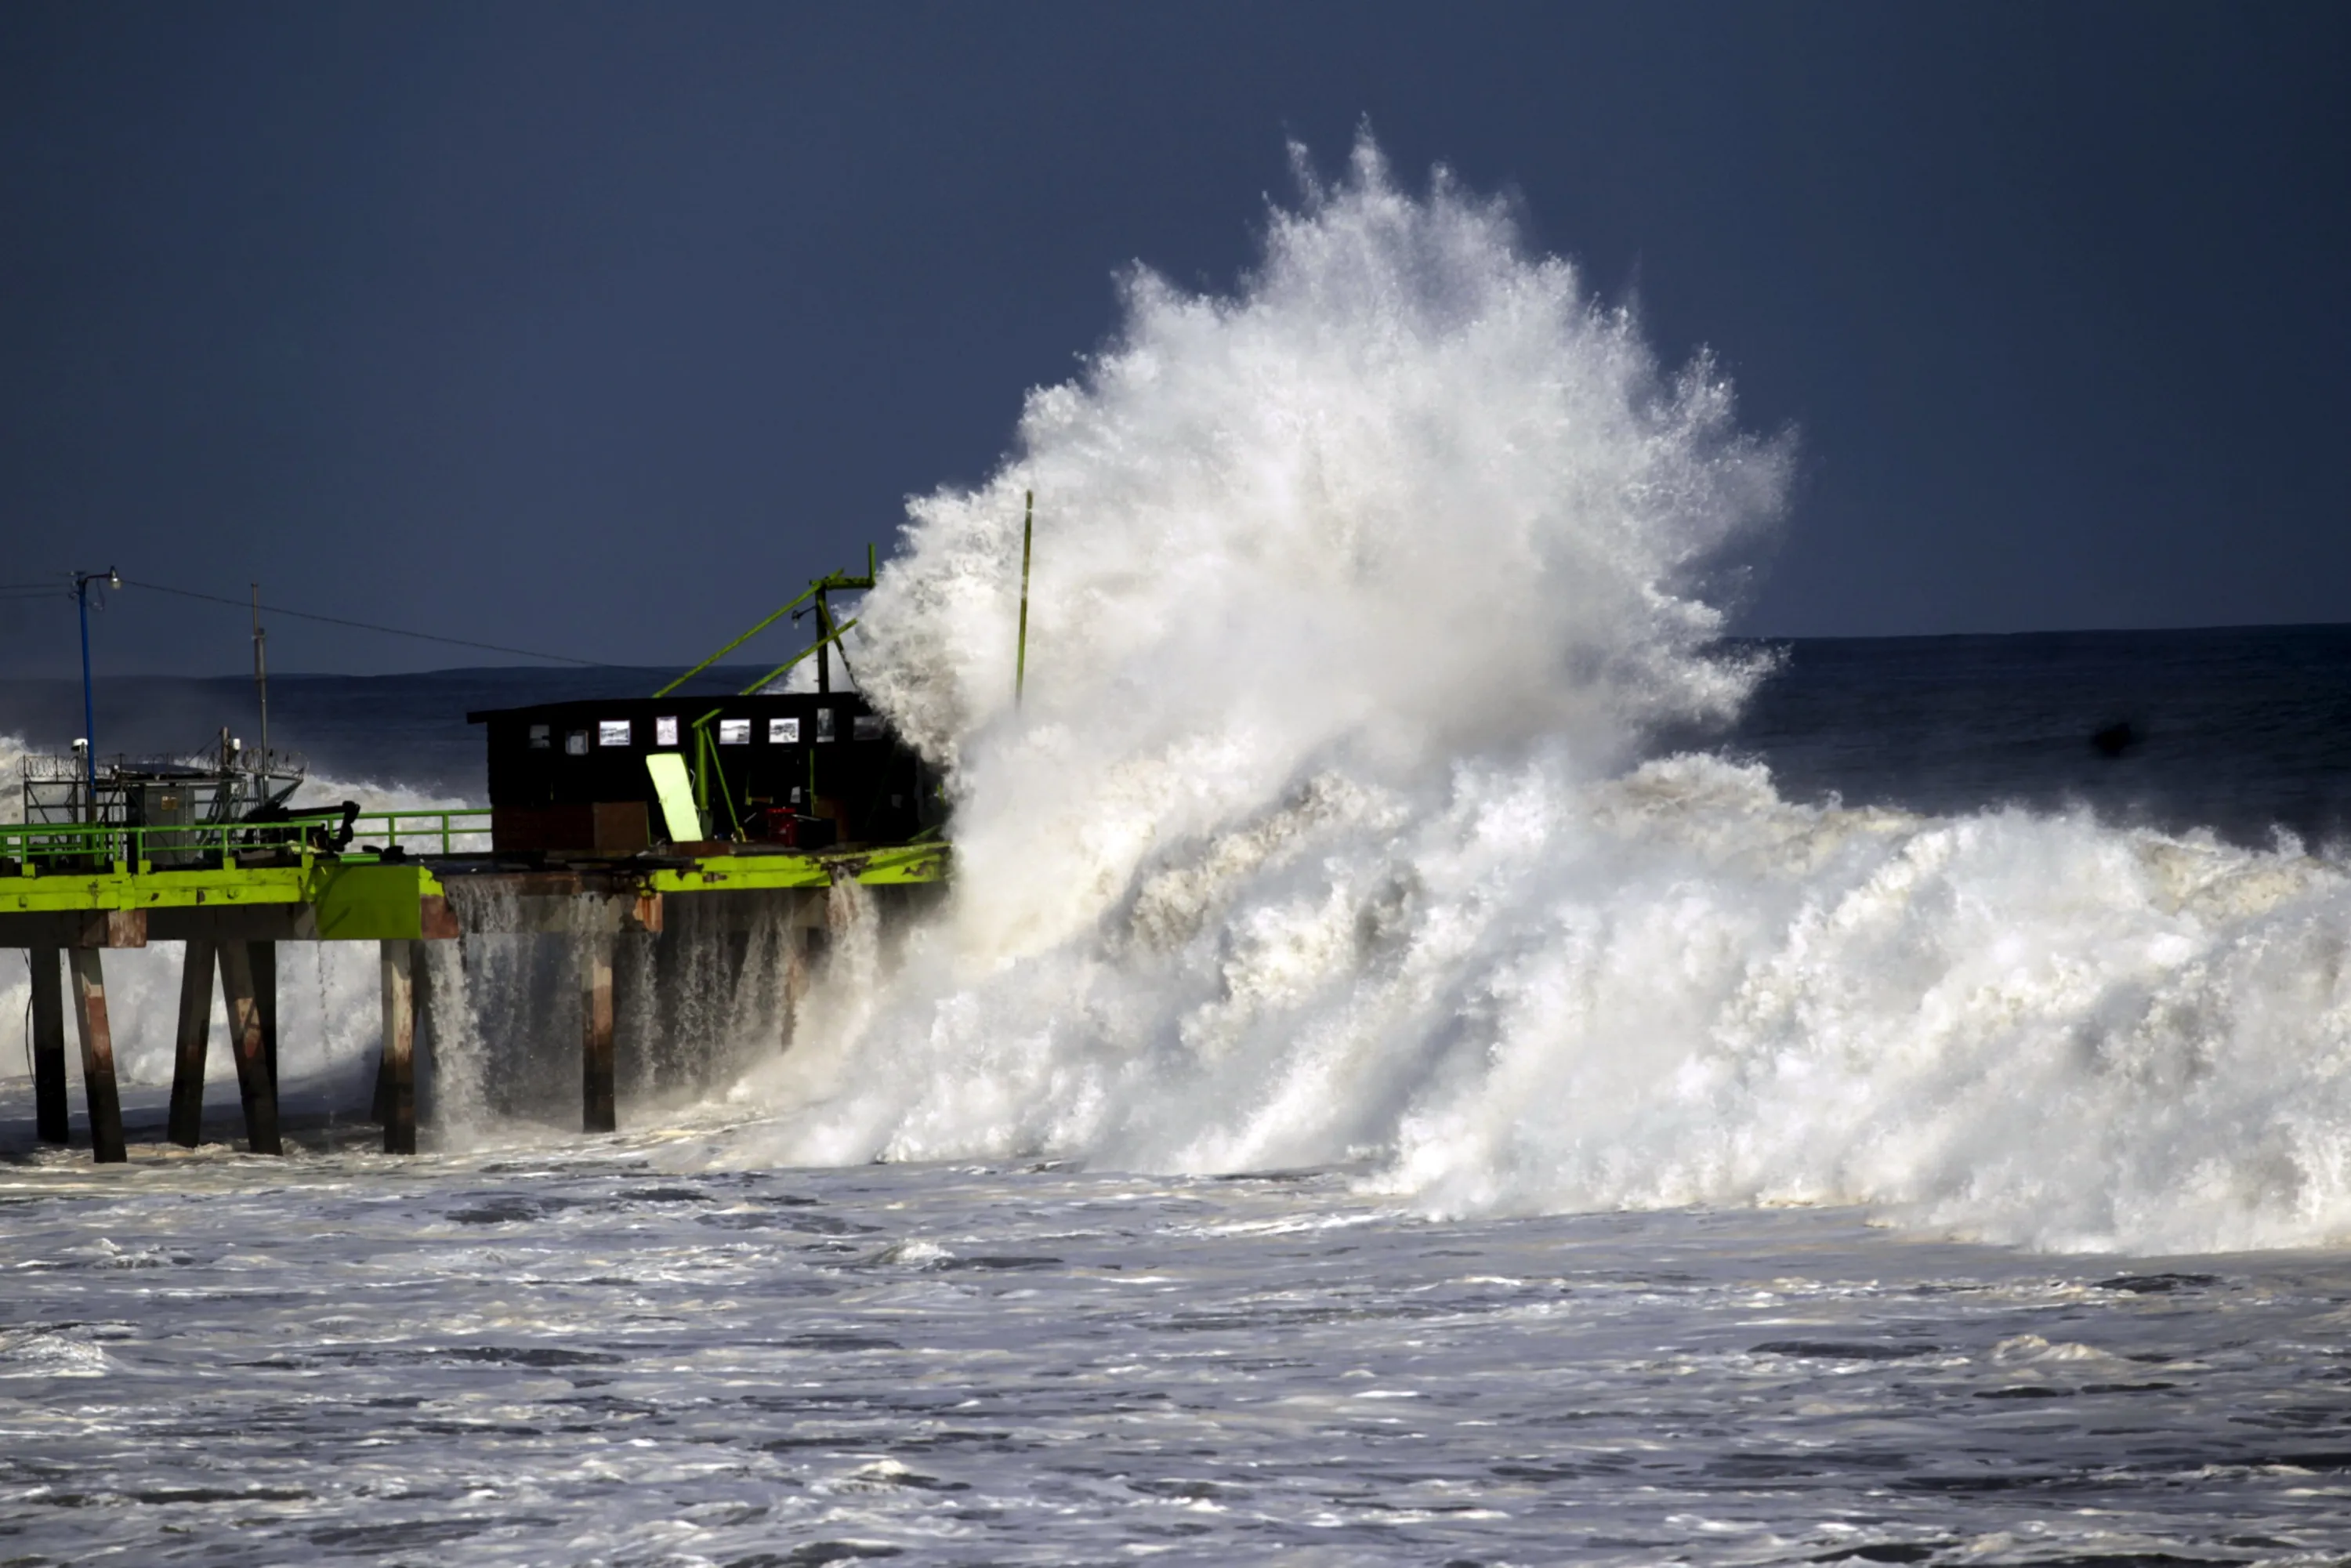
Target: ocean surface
{"x":654,"y":1348}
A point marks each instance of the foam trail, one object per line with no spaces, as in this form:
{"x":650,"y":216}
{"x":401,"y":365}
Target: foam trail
{"x":1326,"y":835}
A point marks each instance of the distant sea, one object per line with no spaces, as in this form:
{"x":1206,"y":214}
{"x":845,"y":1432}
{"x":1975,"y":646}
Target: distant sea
{"x":2240,"y":730}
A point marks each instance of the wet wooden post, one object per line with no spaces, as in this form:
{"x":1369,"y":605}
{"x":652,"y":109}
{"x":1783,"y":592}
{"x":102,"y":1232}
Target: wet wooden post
{"x":255,"y":1083}
{"x":97,"y":1056}
{"x":264,"y":996}
{"x":195,"y":1036}
{"x":597,"y":1110}
{"x":420,"y":980}
{"x":395,"y":1074}
{"x":420,"y":972}
{"x":49,"y":1109}
{"x":380,"y":1102}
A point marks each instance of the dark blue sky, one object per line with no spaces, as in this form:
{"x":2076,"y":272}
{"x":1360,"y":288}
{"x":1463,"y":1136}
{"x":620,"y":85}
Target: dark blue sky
{"x":598,"y":329}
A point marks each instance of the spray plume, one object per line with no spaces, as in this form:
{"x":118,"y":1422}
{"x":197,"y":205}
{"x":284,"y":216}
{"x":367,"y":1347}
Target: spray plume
{"x":1326,"y":834}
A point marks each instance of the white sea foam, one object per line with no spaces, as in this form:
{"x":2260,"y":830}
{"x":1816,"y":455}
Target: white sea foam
{"x":1325,"y":834}
{"x":13,"y":751}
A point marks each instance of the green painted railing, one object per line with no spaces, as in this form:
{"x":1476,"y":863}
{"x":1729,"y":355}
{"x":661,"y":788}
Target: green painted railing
{"x":463,"y":830}
{"x":42,"y":848}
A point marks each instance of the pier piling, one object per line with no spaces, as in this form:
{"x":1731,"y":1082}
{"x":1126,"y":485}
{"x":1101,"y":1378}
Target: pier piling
{"x":395,"y":1077}
{"x":97,"y":1056}
{"x":256,"y":1085}
{"x":49,"y":1110}
{"x":264,"y":996}
{"x":598,"y":1112}
{"x":187,"y":1128}
{"x":681,"y":985}
{"x":419,"y":975}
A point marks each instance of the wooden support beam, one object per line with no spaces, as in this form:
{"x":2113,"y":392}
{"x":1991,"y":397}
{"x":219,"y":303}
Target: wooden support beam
{"x":255,"y":1083}
{"x":195,"y":1035}
{"x":380,"y":1108}
{"x":97,"y":1056}
{"x":380,"y":1101}
{"x":49,"y":1109}
{"x":264,"y":996}
{"x":597,"y":1110}
{"x":420,"y":1012}
{"x":419,"y":970}
{"x":395,"y":1076}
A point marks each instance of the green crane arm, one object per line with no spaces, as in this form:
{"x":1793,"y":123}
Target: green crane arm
{"x":739,"y":642}
{"x":838,"y":581}
{"x":785,"y":668}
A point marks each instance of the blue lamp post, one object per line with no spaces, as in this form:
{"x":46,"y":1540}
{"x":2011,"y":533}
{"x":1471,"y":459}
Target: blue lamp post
{"x":82,"y":579}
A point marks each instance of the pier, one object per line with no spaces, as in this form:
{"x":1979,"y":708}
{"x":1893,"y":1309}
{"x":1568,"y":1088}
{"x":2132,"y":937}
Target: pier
{"x":234,"y":892}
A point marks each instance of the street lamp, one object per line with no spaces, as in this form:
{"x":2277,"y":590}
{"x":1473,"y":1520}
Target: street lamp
{"x":82,"y":579}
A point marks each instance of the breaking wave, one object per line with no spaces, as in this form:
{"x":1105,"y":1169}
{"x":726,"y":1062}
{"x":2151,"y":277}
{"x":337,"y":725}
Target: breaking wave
{"x":1334,"y":826}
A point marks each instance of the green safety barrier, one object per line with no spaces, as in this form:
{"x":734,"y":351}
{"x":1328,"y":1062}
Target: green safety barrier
{"x":370,"y":885}
{"x":37,"y":848}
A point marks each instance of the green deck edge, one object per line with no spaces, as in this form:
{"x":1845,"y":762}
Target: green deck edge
{"x":366,"y":901}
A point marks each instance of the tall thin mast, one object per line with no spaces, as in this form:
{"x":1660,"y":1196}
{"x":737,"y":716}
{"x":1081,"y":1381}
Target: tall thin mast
{"x":261,"y":672}
{"x":1020,"y":660}
{"x":82,"y":579}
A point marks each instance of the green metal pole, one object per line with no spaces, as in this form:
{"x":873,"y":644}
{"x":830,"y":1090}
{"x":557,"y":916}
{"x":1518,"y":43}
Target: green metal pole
{"x":823,"y":644}
{"x":1020,"y":662}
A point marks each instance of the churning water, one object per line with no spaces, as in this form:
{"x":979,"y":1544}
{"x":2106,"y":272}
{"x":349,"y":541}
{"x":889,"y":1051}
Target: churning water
{"x":1433,"y":1055}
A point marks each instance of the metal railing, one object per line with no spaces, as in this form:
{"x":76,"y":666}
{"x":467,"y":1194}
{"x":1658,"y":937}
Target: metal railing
{"x":372,"y":832}
{"x":40,"y":849}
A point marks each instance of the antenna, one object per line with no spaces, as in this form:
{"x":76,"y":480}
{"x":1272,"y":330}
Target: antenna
{"x":1020,"y":662}
{"x":82,"y":579}
{"x":261,"y":671}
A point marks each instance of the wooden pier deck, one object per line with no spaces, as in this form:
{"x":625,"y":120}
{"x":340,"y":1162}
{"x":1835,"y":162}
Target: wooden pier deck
{"x":233,"y":892}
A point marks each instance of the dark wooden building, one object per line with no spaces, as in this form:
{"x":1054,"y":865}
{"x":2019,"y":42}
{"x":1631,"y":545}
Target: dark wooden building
{"x":810,"y":770}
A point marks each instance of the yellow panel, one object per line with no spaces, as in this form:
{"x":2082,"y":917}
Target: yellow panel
{"x":676,"y":792}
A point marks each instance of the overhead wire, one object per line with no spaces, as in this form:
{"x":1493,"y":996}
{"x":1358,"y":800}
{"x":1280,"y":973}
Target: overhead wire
{"x":362,"y":625}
